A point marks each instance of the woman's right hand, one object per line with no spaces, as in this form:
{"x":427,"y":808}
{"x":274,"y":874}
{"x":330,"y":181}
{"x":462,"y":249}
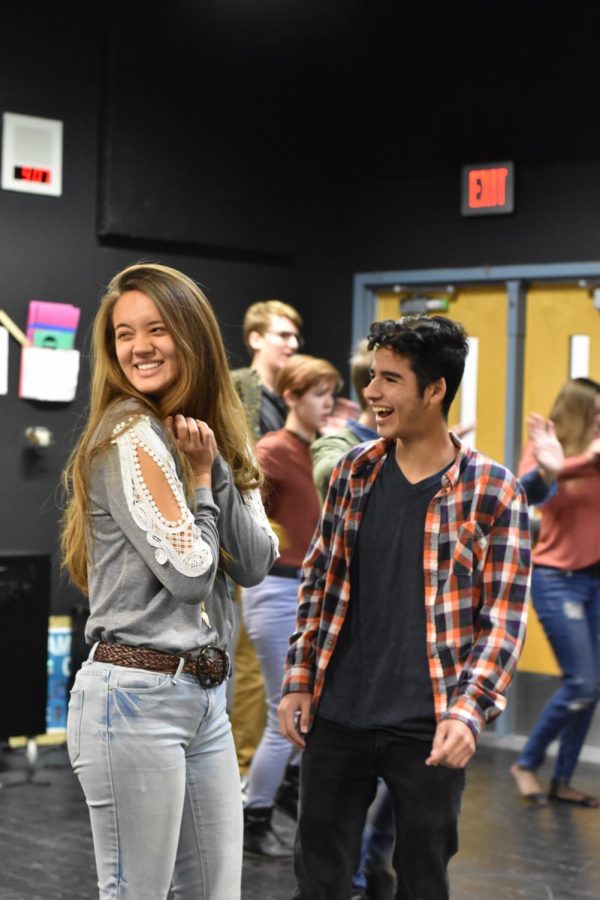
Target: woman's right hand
{"x":547,"y":448}
{"x":593,"y":451}
{"x":197,"y":442}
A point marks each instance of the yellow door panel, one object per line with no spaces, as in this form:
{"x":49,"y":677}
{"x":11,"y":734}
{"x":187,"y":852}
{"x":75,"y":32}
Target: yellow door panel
{"x":388,"y":305}
{"x":554,"y":313}
{"x":537,"y":653}
{"x":483,"y":313}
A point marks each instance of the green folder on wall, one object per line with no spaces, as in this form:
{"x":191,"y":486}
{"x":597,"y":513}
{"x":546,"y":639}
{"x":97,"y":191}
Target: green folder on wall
{"x":53,"y":340}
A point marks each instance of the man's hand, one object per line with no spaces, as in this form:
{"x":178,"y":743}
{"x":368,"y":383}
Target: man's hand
{"x":453,"y":745}
{"x":294,"y":715}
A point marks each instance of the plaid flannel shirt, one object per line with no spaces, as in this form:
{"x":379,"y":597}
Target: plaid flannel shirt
{"x":476,"y":561}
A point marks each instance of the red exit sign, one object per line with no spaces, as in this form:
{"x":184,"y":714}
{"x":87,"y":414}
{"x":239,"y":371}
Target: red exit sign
{"x":488,"y":189}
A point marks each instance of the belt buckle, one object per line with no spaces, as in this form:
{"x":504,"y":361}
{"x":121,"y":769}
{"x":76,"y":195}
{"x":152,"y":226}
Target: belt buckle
{"x":212,"y":667}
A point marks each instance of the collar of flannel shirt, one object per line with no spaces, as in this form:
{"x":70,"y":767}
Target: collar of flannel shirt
{"x":378,"y":449}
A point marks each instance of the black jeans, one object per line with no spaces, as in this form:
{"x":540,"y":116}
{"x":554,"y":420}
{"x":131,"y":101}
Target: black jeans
{"x":338,"y":780}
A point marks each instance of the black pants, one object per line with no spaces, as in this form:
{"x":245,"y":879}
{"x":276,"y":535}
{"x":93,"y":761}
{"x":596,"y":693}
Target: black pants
{"x":338,"y":780}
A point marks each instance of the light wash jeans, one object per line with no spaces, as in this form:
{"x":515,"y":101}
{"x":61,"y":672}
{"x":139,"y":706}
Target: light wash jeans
{"x":156,"y":761}
{"x":568,"y":606}
{"x":269,"y":611}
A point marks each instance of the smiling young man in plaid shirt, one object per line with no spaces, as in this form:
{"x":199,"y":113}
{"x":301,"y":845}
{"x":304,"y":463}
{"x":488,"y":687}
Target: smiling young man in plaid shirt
{"x":410,"y":622}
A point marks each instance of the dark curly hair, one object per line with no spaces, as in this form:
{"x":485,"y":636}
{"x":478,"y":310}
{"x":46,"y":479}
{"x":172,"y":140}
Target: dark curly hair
{"x":435,"y":346}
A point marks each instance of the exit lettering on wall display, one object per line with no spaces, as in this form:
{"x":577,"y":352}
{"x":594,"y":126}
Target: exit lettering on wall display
{"x":487,"y":189}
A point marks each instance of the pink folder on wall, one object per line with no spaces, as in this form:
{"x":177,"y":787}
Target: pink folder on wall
{"x":48,"y":316}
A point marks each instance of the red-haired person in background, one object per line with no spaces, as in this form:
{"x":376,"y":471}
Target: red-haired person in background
{"x":308,"y":386}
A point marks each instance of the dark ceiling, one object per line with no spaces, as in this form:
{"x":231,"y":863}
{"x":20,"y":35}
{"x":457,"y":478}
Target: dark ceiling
{"x":354,"y":90}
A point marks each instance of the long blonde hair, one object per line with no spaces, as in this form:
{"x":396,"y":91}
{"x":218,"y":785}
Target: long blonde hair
{"x":573,"y":414}
{"x":203,"y":390}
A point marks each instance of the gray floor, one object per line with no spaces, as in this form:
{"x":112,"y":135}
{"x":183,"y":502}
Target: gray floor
{"x":508,"y":849}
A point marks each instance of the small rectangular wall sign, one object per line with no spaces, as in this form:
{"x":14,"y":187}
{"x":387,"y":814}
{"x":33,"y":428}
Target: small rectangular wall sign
{"x":32,"y":154}
{"x":488,"y":189}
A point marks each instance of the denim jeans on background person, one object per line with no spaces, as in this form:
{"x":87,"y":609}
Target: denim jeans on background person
{"x":378,"y":839}
{"x":339,"y":775}
{"x":156,"y":761}
{"x":269,"y":612}
{"x":568,"y":606}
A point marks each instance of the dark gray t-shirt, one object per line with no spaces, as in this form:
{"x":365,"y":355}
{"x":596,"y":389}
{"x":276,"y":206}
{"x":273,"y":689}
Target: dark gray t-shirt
{"x":378,"y":676}
{"x":273,"y":411}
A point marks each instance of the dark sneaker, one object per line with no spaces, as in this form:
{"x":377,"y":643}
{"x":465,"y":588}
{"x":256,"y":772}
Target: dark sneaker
{"x":286,"y":798}
{"x":260,"y":838}
{"x":381,"y":885}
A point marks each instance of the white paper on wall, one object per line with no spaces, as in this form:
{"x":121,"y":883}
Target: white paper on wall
{"x":48,"y":374}
{"x":3,"y":360}
{"x":579,"y":356}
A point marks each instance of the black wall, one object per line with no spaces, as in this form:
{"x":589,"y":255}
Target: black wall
{"x":311,"y":159}
{"x":50,"y":250}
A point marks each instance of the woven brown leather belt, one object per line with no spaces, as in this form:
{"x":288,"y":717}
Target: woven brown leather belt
{"x":211,"y":667}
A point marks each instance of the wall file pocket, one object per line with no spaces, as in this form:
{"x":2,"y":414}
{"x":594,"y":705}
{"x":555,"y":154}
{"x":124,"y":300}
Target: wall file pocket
{"x":49,"y":375}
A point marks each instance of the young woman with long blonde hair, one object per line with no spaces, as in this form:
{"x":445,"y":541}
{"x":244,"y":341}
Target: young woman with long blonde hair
{"x":560,"y":469}
{"x":162,"y":505}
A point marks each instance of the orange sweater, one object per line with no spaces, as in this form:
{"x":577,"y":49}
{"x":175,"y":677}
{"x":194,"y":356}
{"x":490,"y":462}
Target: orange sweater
{"x":570,"y":527}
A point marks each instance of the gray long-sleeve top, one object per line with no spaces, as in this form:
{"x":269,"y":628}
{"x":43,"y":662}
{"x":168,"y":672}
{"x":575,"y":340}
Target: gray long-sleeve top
{"x":159,"y":584}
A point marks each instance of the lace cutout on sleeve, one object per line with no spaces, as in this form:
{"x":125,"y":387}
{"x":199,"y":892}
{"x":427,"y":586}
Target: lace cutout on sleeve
{"x":180,"y":542}
{"x":253,"y":501}
{"x":256,"y":508}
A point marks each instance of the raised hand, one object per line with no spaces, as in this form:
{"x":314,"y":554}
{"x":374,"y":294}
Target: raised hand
{"x":593,"y":451}
{"x":197,"y":442}
{"x":547,"y":448}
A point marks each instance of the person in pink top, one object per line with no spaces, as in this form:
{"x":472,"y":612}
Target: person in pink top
{"x":560,"y":469}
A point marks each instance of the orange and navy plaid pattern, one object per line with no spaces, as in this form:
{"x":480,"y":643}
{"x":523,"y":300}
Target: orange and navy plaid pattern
{"x":476,"y":564}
